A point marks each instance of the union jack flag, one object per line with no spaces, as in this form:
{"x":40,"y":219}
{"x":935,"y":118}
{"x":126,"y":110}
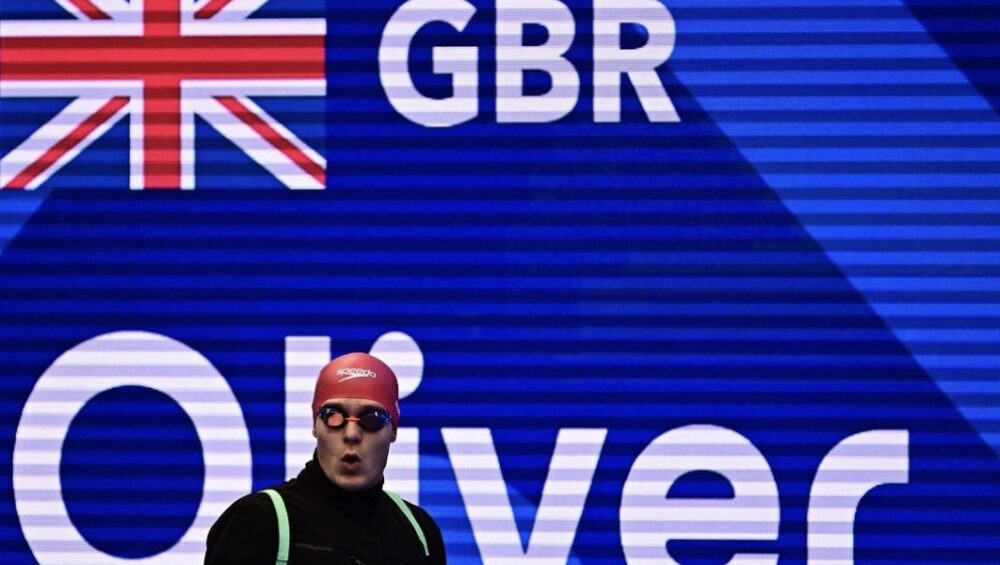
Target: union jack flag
{"x":162,"y":62}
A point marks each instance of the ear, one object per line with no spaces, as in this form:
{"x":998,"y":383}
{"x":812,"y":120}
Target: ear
{"x":393,"y":440}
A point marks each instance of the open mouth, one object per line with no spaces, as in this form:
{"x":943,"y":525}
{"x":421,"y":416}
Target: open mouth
{"x":351,"y":459}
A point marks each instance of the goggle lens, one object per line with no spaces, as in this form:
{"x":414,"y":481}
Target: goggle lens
{"x":372,"y":420}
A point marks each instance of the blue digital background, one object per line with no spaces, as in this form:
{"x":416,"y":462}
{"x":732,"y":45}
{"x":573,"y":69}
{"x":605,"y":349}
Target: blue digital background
{"x":805,"y":256}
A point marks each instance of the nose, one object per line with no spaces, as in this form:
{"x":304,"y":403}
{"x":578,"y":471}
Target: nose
{"x":352,"y":432}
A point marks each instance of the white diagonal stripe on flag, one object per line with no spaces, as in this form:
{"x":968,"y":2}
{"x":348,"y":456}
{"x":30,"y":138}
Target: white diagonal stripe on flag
{"x":47,"y":137}
{"x":260,"y":150}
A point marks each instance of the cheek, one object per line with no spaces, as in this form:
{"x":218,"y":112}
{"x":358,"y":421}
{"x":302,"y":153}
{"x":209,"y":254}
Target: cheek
{"x":325,"y":444}
{"x":380,"y":449}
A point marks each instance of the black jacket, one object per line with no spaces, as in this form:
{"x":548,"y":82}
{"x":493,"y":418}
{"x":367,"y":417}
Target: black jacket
{"x":328,"y":525}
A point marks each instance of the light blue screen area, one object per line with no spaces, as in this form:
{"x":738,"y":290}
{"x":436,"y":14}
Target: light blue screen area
{"x":872,"y":135}
{"x":950,"y":25}
{"x":132,"y":472}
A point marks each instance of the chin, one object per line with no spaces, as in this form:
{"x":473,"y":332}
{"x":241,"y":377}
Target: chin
{"x":354,"y":482}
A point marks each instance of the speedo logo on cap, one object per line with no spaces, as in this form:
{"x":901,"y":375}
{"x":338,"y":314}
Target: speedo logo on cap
{"x":349,"y":373}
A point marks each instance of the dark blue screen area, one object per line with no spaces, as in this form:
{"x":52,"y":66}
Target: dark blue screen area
{"x":132,"y":472}
{"x":22,"y":116}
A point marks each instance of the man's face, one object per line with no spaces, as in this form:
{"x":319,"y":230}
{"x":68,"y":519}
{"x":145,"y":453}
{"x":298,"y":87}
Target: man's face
{"x":351,"y":456}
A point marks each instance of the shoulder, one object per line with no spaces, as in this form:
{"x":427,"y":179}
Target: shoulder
{"x":252,"y":507}
{"x":423,"y":518}
{"x":245,"y":531}
{"x":260,"y":505}
{"x":431,"y":531}
{"x":418,"y":513}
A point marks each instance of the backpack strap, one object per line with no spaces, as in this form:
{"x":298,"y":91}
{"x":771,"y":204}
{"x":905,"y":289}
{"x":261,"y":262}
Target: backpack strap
{"x":283,"y":529}
{"x":413,"y":521}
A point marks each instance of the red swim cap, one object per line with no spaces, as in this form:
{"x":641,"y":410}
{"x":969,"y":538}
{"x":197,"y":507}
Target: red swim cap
{"x":358,"y":375}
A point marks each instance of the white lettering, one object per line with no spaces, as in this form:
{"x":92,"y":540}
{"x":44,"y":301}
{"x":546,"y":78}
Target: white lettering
{"x":480,"y":481}
{"x":611,"y":61}
{"x":460,"y":62}
{"x":304,"y":357}
{"x":850,"y":470}
{"x":105,"y":362}
{"x":513,"y":58}
{"x":648,"y":520}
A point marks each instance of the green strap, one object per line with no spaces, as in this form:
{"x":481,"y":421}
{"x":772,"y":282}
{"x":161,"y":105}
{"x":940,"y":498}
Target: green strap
{"x":413,"y":521}
{"x":283,"y":530}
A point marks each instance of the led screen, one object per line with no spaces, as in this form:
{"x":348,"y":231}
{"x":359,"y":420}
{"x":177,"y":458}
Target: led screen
{"x":676,"y":281}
